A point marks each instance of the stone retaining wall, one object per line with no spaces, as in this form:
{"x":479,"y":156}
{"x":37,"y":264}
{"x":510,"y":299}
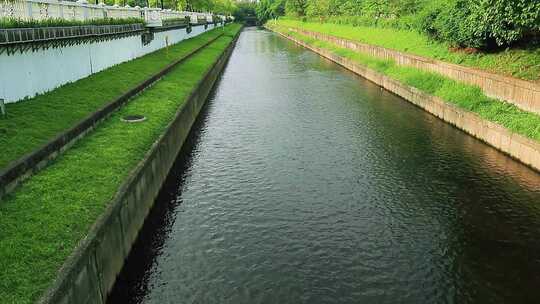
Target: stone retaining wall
{"x":90,"y":273}
{"x":524,"y":94}
{"x":517,"y":146}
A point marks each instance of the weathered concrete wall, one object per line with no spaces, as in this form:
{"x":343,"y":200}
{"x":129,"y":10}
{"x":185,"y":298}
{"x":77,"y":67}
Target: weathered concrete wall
{"x":89,"y":274}
{"x":517,"y":146}
{"x":35,"y":72}
{"x":524,"y":94}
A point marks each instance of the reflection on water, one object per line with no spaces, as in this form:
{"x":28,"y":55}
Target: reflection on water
{"x":306,"y":184}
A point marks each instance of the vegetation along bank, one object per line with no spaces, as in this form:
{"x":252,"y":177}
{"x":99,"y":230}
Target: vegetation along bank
{"x":467,"y":97}
{"x":496,"y":35}
{"x":73,"y":192}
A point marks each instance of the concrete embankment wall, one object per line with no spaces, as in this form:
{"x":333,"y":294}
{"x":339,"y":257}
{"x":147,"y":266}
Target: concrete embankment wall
{"x":517,"y":146}
{"x":89,"y":274}
{"x":524,"y":94}
{"x":30,"y":73}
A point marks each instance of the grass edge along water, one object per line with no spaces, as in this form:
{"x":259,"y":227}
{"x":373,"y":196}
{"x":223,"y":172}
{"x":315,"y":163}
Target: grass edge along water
{"x":67,"y":197}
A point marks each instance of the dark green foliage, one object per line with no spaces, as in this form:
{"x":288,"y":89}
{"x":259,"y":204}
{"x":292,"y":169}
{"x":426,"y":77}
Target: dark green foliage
{"x":428,"y":16}
{"x":217,"y":6}
{"x":504,"y":21}
{"x":18,"y":23}
{"x":449,"y":21}
{"x":225,"y":7}
{"x":296,"y":8}
{"x":348,"y":7}
{"x":245,"y":10}
{"x":482,"y":24}
{"x":270,"y":9}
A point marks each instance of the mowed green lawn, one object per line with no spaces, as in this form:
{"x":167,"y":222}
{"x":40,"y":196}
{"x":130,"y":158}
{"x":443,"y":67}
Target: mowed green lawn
{"x":32,"y":123}
{"x":48,"y":215}
{"x":521,"y":63}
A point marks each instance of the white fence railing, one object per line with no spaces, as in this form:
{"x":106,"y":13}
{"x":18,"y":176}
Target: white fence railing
{"x":82,"y":11}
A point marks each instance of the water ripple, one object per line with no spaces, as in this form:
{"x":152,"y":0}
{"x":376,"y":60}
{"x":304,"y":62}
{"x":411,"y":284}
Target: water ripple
{"x":307,"y":184}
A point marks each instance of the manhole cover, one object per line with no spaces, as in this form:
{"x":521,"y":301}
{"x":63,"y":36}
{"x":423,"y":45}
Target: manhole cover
{"x":133,"y":118}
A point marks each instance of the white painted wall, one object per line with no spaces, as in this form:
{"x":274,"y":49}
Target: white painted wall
{"x":30,"y":73}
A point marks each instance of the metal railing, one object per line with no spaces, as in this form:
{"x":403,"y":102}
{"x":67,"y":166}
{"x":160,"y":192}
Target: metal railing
{"x":83,"y":11}
{"x":12,"y":36}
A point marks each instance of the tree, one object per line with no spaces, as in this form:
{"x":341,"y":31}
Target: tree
{"x":296,"y":8}
{"x":482,"y":24}
{"x":245,"y":10}
{"x":318,"y":8}
{"x":216,"y":6}
{"x":270,"y":9}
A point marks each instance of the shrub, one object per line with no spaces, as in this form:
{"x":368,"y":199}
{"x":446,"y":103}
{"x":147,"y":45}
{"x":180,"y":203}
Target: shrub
{"x":296,"y":8}
{"x":480,"y":23}
{"x":505,"y":21}
{"x":454,"y":26}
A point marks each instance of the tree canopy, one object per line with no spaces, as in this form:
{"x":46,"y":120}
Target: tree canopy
{"x":216,"y":6}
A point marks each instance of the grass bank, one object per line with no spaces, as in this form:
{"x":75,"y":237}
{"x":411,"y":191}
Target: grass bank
{"x":43,"y":221}
{"x":31,"y":123}
{"x":519,"y":63}
{"x":465,"y":96}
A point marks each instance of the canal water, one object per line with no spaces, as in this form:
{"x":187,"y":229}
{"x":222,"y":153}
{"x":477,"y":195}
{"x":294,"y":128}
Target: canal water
{"x":303,"y":183}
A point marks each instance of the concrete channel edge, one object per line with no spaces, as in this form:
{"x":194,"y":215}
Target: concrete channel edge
{"x":522,"y":93}
{"x":89,"y":274}
{"x":521,"y":148}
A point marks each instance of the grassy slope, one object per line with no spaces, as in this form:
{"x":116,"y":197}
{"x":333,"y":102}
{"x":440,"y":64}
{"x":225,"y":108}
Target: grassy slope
{"x":520,"y":63}
{"x":31,"y":123}
{"x":465,"y":96}
{"x":42,"y":222}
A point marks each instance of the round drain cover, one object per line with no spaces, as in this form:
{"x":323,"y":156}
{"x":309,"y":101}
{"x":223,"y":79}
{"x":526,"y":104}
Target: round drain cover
{"x":133,"y":118}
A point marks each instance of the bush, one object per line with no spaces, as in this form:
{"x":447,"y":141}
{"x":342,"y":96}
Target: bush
{"x":270,"y":9}
{"x":245,"y":11}
{"x":482,"y":24}
{"x":295,"y":8}
{"x":505,"y":21}
{"x":454,"y":26}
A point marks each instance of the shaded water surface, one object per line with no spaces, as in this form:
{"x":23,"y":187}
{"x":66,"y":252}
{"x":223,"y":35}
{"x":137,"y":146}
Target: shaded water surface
{"x":303,"y":183}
